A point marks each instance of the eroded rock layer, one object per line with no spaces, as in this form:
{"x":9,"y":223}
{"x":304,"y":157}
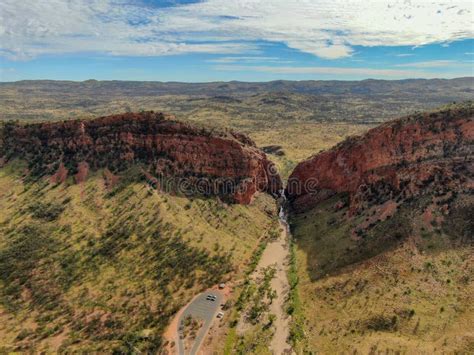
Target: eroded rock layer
{"x":404,"y":158}
{"x":213,"y":162}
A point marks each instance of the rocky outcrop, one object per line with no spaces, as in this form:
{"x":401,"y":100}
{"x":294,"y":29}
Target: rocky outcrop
{"x":190,"y":158}
{"x":404,"y":158}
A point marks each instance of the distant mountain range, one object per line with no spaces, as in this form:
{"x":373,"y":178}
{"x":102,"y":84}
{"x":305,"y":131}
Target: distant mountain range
{"x":442,"y":87}
{"x":368,"y":101}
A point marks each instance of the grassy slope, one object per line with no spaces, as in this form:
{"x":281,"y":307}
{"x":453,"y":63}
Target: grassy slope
{"x":414,"y":295}
{"x":84,"y":268}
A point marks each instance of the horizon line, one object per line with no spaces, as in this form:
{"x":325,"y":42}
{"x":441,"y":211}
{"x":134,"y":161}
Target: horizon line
{"x":230,"y":81}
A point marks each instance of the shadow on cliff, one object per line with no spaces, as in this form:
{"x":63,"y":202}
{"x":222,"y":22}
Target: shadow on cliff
{"x":332,"y":241}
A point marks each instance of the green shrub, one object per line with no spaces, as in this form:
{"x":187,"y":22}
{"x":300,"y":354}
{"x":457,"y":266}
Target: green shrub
{"x":49,"y":211}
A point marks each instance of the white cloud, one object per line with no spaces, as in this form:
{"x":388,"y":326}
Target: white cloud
{"x":363,"y":72}
{"x":401,"y":55}
{"x":326,"y":28}
{"x":7,"y":70}
{"x":430,"y":64}
{"x":246,"y":59}
{"x":6,"y":73}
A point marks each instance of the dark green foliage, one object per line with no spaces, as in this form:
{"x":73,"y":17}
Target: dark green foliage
{"x":460,"y":223}
{"x":294,"y":308}
{"x":25,"y":249}
{"x":381,"y":323}
{"x":170,"y":257}
{"x":335,"y":249}
{"x":49,"y":211}
{"x":255,"y":298}
{"x":174,"y":260}
{"x":263,"y":292}
{"x":129,"y":176}
{"x":255,"y":258}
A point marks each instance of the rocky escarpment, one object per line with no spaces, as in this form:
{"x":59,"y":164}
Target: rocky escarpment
{"x":423,"y":153}
{"x":193,"y":159}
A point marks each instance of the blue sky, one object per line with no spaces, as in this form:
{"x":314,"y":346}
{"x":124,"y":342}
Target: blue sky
{"x":247,"y":40}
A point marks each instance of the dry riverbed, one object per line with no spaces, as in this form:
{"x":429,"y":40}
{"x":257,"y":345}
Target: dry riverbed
{"x":276,"y":259}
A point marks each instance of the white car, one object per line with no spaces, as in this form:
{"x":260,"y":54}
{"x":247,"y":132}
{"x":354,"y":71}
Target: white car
{"x":220,"y":315}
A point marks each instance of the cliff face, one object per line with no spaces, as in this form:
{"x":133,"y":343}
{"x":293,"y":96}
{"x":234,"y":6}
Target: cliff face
{"x":395,"y":161}
{"x":195,"y":159}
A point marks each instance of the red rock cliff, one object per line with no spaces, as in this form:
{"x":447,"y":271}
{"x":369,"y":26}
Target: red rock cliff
{"x":222,"y":163}
{"x":397,"y":160}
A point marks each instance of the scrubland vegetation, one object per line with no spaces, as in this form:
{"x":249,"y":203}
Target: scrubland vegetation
{"x":404,"y":285}
{"x":83,"y":268}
